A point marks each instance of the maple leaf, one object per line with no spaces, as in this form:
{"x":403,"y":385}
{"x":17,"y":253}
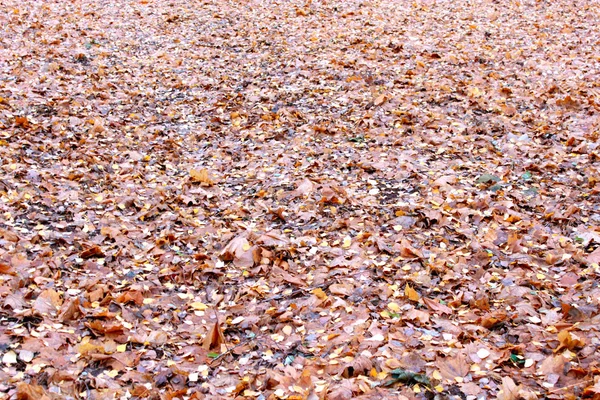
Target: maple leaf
{"x":568,"y":340}
{"x":201,"y":176}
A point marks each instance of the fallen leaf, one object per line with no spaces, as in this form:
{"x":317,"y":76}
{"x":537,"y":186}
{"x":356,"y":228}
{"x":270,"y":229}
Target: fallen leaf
{"x":93,"y":251}
{"x":341,"y":289}
{"x":435,"y":306}
{"x":214,"y":339}
{"x":454,"y":367}
{"x":411,"y":293}
{"x":201,"y":176}
{"x":10,"y":357}
{"x":47,"y":303}
{"x":568,"y":340}
{"x":508,"y":390}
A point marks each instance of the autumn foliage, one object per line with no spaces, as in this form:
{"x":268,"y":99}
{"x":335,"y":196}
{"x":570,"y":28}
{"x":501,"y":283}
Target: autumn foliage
{"x":299,"y":199}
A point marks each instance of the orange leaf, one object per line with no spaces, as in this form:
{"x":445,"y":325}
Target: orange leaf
{"x":411,"y":293}
{"x":568,"y":341}
{"x":6,"y":269}
{"x":201,"y":176}
{"x":94,"y":251}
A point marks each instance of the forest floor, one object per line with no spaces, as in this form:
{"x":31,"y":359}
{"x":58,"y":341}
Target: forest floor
{"x":299,"y":200}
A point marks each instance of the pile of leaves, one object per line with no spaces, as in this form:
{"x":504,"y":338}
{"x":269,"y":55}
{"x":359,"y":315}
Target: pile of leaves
{"x":299,"y":199}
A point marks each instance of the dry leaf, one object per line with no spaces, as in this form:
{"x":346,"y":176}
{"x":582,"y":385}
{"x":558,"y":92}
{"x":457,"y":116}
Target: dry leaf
{"x":94,"y":251}
{"x":341,"y":289}
{"x":508,"y":390}
{"x":235,"y":249}
{"x":304,"y":188}
{"x":454,"y":367}
{"x":411,"y":293}
{"x":214,"y":339}
{"x":435,"y":306}
{"x":568,"y":340}
{"x":48,"y":302}
{"x":201,"y":176}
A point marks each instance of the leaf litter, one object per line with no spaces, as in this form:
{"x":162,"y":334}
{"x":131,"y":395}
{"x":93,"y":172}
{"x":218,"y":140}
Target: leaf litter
{"x":299,"y":200}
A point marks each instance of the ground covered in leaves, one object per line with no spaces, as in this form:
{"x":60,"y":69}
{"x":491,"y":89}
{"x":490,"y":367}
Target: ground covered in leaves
{"x":299,"y":200}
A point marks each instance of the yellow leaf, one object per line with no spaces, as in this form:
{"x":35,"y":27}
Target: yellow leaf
{"x":319,"y":293}
{"x":199,"y":306}
{"x":122,"y":348}
{"x":201,"y":176}
{"x":394,"y":307}
{"x":112,"y":373}
{"x":347,"y":242}
{"x":411,"y":293}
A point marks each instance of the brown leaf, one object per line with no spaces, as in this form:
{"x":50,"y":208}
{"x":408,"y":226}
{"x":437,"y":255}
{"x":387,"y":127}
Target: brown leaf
{"x":48,"y":302}
{"x":15,"y":301}
{"x":235,"y":248}
{"x":552,"y":365}
{"x":70,"y":310}
{"x":157,"y":338}
{"x":305,"y":188}
{"x":8,"y":235}
{"x":437,"y":307}
{"x":26,"y":391}
{"x":6,"y":269}
{"x":94,"y":251}
{"x":454,"y":367}
{"x":382,"y":98}
{"x":361,"y":365}
{"x":569,"y":341}
{"x":593,"y":257}
{"x":342,"y":391}
{"x":407,"y":250}
{"x":508,"y":390}
{"x":131,"y":296}
{"x":341,"y":289}
{"x":417,"y":315}
{"x":214,"y":339}
{"x":294,"y":280}
{"x":593,"y":391}
{"x":490,"y":320}
{"x":272,"y":238}
{"x":104,"y":328}
{"x":20,"y":261}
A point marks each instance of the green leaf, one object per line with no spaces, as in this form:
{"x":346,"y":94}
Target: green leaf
{"x":213,"y":355}
{"x":487,"y":178}
{"x":517,"y":359}
{"x":532,"y":191}
{"x":526,"y":176}
{"x":289,"y":360}
{"x":408,"y":377}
